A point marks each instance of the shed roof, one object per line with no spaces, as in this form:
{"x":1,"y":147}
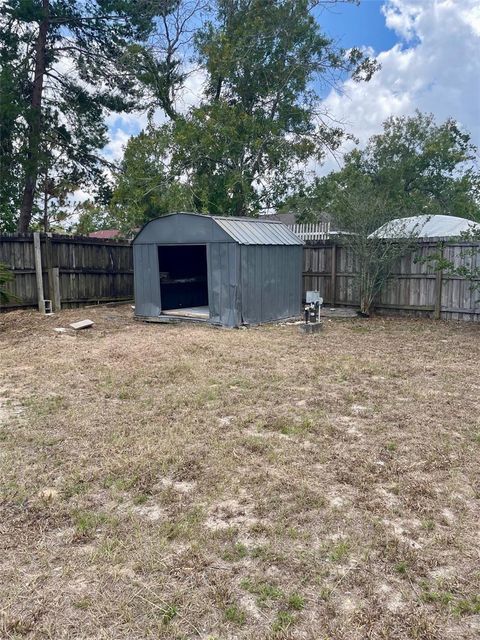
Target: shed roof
{"x":255,"y":231}
{"x":247,"y":231}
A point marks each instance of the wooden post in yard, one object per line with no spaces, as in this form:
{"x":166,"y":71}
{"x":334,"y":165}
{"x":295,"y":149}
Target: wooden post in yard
{"x":38,"y":271}
{"x":56,"y":298}
{"x":438,"y":287}
{"x":48,"y":265}
{"x":333,"y":274}
{"x":53,"y":275}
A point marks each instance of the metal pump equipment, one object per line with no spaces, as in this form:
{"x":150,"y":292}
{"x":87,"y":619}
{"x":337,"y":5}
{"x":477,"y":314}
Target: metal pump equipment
{"x":312,"y":307}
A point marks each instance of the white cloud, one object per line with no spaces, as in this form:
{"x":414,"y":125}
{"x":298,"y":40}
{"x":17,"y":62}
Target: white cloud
{"x":191,"y":94}
{"x":438,"y":72}
{"x":118,"y":141}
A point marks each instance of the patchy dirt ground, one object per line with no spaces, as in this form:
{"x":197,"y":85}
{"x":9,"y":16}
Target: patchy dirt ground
{"x":183,"y":482}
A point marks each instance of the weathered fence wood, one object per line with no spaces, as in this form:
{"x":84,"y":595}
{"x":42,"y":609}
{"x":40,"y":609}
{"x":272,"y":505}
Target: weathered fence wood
{"x":79,"y":270}
{"x":413,"y":288}
{"x":74,"y":270}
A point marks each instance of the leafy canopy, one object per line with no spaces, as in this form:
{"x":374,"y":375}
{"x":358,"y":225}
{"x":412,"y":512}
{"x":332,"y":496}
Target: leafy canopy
{"x":64,"y":65}
{"x":260,"y":119}
{"x":414,"y":167}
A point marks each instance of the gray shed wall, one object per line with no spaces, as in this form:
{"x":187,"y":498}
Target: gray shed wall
{"x":224,"y":283}
{"x":271,"y":278}
{"x":146,"y":280}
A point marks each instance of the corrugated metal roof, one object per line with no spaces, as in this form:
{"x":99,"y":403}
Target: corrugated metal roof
{"x":254,"y":231}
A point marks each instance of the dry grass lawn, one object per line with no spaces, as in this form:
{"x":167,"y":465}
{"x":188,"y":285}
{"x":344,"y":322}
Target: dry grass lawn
{"x":181,"y":482}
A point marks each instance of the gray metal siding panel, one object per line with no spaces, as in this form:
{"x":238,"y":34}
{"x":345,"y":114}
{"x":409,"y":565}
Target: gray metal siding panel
{"x":146,"y":281}
{"x":224,"y":283}
{"x":271,"y":282}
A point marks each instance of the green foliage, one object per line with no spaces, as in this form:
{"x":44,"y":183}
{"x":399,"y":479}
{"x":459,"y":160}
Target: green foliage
{"x":145,"y":186}
{"x":242,"y":149}
{"x":64,"y":65}
{"x":414,"y":167}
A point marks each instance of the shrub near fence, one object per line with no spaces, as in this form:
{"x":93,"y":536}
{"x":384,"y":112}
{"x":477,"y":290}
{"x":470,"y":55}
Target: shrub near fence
{"x":90,"y":270}
{"x":414,"y":287}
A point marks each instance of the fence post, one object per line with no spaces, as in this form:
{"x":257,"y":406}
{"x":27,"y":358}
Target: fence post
{"x":56,"y":296}
{"x":333,"y":274}
{"x":38,"y":271}
{"x":48,"y":266}
{"x":439,"y":286}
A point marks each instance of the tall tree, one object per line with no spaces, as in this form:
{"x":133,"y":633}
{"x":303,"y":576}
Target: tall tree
{"x":145,"y":185}
{"x":14,"y":77}
{"x":80,"y":52}
{"x":260,"y":117}
{"x":415,"y":166}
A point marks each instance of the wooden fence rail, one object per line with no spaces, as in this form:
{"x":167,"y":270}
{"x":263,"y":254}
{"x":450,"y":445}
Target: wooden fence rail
{"x":81,"y":270}
{"x":414,"y":287}
{"x":89,"y":270}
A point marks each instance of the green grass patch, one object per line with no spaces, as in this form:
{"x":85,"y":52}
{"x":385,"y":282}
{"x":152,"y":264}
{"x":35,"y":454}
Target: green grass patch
{"x":296,"y":602}
{"x":263,"y":590}
{"x":235,"y":615}
{"x":235,"y":553}
{"x":339,"y":552}
{"x":282,"y":622}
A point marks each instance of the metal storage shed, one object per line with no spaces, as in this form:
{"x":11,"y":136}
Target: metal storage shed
{"x":228,"y":271}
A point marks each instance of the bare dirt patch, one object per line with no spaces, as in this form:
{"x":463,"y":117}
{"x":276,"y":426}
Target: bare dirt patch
{"x":184,"y":482}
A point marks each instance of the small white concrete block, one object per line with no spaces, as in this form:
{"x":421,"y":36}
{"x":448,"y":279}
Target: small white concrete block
{"x":82,"y":324}
{"x":60,"y":329}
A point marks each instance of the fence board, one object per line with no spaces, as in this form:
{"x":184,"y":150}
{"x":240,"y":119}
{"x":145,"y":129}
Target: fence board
{"x":90,"y":270}
{"x":412,"y":287}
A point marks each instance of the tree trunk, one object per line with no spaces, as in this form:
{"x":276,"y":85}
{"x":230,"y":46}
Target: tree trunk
{"x":45,"y":205}
{"x":33,"y":152}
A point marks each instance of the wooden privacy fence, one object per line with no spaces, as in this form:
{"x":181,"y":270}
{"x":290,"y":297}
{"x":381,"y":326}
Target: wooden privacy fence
{"x":414,"y":288}
{"x":78,"y":270}
{"x":81,"y":270}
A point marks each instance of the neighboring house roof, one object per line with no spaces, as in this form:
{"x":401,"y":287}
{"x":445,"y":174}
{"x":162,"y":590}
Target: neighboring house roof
{"x":286,"y":218}
{"x":426,"y":227}
{"x":105,"y":234}
{"x":289,"y":218}
{"x":247,"y":231}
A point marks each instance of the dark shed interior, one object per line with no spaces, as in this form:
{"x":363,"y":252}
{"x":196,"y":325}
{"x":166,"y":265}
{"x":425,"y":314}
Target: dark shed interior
{"x":183,"y":276}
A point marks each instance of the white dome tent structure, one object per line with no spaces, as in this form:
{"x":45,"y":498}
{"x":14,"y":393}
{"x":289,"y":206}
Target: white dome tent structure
{"x":435,"y":226}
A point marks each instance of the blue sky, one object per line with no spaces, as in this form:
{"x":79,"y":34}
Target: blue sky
{"x":429,"y":56}
{"x":355,"y":25}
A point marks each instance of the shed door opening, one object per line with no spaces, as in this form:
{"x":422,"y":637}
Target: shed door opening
{"x":183,"y":279}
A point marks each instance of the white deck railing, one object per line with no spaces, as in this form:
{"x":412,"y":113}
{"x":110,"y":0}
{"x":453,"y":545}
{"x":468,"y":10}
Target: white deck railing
{"x":315,"y":231}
